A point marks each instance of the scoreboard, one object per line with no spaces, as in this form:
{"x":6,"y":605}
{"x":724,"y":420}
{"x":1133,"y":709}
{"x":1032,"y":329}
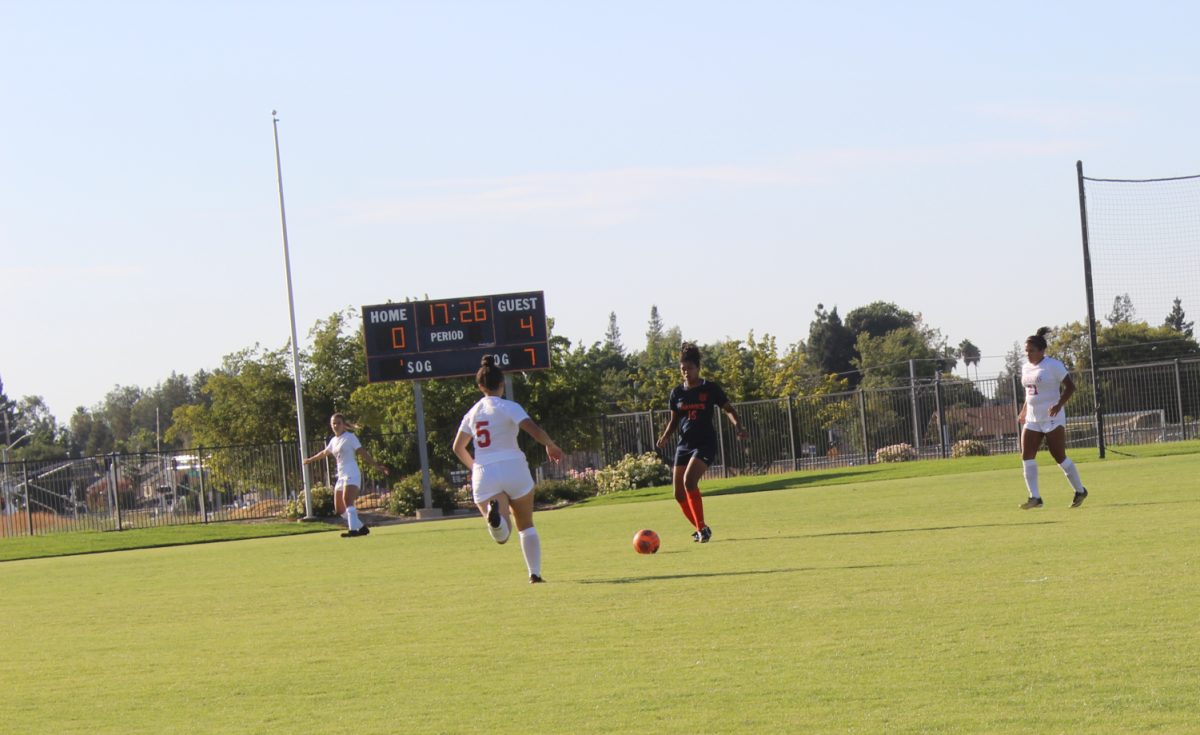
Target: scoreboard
{"x":449,"y":337}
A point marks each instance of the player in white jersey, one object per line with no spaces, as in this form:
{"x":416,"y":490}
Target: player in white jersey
{"x":1048,"y":386}
{"x":345,"y":446}
{"x":500,"y":477}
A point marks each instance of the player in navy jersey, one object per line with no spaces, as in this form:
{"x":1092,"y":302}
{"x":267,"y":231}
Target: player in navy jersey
{"x":692,"y":405}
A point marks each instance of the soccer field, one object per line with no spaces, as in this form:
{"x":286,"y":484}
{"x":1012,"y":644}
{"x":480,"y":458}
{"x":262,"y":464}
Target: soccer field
{"x":901,"y":605}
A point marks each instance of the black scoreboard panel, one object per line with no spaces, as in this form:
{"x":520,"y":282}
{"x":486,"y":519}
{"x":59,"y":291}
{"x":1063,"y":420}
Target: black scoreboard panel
{"x":449,"y":337}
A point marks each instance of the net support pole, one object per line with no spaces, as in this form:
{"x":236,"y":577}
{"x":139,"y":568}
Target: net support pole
{"x":791,"y":433}
{"x":287,"y":267}
{"x":862,"y":416}
{"x":912,"y":387}
{"x":941,"y":415}
{"x":28,"y":504}
{"x":423,"y":451}
{"x":1097,"y":392}
{"x":1179,"y":402}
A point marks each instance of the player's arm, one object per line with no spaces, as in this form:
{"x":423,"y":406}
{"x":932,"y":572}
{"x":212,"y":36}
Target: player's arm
{"x":732,"y":413}
{"x":362,"y":452}
{"x":319,"y":455}
{"x":676,"y":417}
{"x":460,"y":448}
{"x":538,"y":433}
{"x":1068,"y":390}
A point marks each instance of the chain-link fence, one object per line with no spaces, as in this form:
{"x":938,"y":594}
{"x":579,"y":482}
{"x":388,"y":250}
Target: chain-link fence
{"x":1154,"y":402}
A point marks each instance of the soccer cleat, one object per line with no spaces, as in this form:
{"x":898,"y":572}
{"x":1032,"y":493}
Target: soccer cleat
{"x":696,"y":536}
{"x":705,"y":534}
{"x":364,"y":530}
{"x":535,"y":579}
{"x":1032,"y":503}
{"x":1079,"y":498}
{"x":494,"y":513}
{"x":350,"y":534}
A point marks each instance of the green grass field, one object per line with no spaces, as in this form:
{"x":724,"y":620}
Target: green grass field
{"x":883,"y":604}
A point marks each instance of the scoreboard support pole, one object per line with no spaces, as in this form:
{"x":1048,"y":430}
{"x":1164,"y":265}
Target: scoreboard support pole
{"x":508,"y":389}
{"x":423,"y":452}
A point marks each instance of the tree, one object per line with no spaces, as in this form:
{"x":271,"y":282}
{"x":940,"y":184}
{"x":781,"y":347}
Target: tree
{"x":1177,"y":320}
{"x":1070,"y":344}
{"x":47,"y":440}
{"x":1130,"y":343}
{"x":884,"y":360}
{"x":8,"y":417}
{"x":831,"y":346}
{"x":878,"y":318}
{"x":969,"y":354}
{"x":1122,"y":311}
{"x":334,"y":367}
{"x":252,"y":401}
{"x":1006,"y":381}
{"x":654,"y":329}
{"x":612,"y":335}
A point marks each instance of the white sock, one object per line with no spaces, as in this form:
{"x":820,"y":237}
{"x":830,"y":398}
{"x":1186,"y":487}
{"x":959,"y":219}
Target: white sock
{"x":1031,"y":480}
{"x":351,"y":516}
{"x":499,"y":535}
{"x":1072,"y":473}
{"x":531,"y":547}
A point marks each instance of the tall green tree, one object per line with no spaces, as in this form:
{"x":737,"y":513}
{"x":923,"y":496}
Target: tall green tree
{"x":878,"y":318}
{"x":970,"y":355}
{"x":334,"y":366}
{"x":884,"y":360}
{"x":1122,"y":311}
{"x":251,"y":399}
{"x":45,"y":438}
{"x":831,"y":346}
{"x":1177,"y":319}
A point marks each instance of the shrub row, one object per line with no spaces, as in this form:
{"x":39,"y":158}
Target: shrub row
{"x":632,"y":472}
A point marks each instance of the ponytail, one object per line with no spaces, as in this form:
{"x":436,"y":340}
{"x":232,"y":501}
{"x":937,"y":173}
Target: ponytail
{"x":489,"y":376}
{"x":1039,"y":340}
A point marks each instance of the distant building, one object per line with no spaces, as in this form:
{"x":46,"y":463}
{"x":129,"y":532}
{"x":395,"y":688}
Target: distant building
{"x":984,"y":422}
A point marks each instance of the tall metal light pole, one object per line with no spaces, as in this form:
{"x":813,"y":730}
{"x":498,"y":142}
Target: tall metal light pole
{"x":287,"y":263}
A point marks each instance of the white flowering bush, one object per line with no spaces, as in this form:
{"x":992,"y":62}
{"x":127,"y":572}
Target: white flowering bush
{"x":632,"y":472}
{"x":577,"y":485}
{"x":969,"y":448}
{"x":896,"y":453}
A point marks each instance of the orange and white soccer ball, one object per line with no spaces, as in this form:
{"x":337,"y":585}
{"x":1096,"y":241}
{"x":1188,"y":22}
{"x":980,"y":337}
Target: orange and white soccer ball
{"x":645,"y":541}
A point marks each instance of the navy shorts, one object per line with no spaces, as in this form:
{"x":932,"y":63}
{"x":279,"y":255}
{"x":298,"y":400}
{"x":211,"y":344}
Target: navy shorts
{"x":705,"y":451}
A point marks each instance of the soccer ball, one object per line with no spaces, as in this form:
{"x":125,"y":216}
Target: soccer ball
{"x":645,"y":542}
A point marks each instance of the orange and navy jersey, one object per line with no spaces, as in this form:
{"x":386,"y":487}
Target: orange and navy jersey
{"x":697,"y":406}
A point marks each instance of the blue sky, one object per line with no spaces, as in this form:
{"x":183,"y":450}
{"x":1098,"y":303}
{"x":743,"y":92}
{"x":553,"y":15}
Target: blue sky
{"x":733,"y":163}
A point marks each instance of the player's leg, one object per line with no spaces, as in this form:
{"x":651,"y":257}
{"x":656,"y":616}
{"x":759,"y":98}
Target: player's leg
{"x":350,"y":513}
{"x":679,"y":480}
{"x":495,"y":513}
{"x":695,"y":470}
{"x":1056,"y":440}
{"x":1031,"y":441}
{"x":488,"y":493}
{"x":522,"y":507}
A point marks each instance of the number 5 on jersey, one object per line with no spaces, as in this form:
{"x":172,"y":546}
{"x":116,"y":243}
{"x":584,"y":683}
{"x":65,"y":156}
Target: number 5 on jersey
{"x":482,"y":437}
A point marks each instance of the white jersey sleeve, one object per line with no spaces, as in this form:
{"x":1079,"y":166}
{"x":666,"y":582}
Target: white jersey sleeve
{"x":493,"y":425}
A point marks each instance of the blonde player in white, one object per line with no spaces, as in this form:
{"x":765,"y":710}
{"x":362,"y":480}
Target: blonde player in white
{"x":1048,"y":386}
{"x":344,"y":446}
{"x":500,"y":476}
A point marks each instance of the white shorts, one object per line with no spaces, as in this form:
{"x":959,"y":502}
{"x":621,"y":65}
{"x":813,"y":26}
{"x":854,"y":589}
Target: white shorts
{"x":1050,"y":424}
{"x":510,"y":477}
{"x":347,"y":478}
